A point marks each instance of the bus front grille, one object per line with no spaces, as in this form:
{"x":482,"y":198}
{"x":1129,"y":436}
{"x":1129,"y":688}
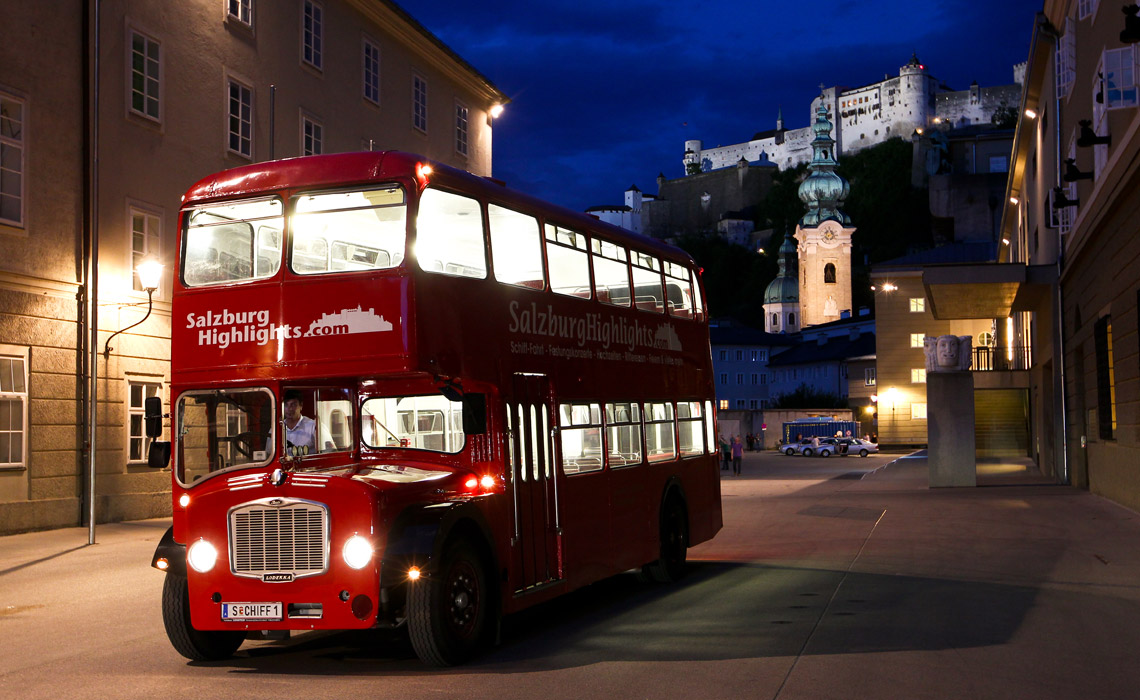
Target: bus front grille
{"x":279,"y":536}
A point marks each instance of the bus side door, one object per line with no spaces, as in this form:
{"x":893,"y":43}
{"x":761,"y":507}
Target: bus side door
{"x":537,"y":541}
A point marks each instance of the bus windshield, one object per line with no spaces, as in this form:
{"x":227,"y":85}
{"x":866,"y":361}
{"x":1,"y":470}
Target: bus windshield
{"x":232,"y":241}
{"x":223,"y":429}
{"x":417,"y":422}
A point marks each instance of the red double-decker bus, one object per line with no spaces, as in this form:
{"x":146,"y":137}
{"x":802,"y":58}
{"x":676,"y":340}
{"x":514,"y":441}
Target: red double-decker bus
{"x":403,"y":395}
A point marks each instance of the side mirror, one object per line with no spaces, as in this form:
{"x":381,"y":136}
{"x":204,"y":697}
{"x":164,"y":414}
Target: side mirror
{"x":152,"y":411}
{"x":159,"y":455}
{"x":474,"y":414}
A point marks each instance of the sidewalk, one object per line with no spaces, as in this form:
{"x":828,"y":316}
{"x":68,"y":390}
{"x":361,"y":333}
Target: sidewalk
{"x":1017,"y":583}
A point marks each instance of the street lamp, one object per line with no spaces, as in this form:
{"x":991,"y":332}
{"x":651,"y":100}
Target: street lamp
{"x":150,"y":275}
{"x":891,"y":396}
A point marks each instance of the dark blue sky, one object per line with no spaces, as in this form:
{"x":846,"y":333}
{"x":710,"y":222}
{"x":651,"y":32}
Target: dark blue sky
{"x":605,"y":93}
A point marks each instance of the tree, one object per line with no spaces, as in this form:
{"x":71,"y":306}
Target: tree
{"x":806,"y":397}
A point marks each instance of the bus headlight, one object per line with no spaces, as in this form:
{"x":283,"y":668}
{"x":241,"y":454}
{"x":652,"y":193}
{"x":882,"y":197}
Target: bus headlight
{"x":357,"y":552}
{"x":202,"y":556}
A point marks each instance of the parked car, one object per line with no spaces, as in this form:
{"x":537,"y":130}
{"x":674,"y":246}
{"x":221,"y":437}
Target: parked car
{"x":861,"y":447}
{"x":842,"y":447}
{"x":795,"y":448}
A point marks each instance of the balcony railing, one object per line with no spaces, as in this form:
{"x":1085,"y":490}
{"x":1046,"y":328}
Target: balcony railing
{"x":1018,"y":357}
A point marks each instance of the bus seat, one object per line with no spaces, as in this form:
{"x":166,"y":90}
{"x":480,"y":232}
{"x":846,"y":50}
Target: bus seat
{"x":648,"y":303}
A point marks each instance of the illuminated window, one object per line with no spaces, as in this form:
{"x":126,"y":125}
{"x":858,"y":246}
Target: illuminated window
{"x":918,"y":376}
{"x":312,"y":33}
{"x":723,"y":404}
{"x":567,"y":262}
{"x":581,"y":436}
{"x":516,"y":249}
{"x":145,"y":71}
{"x":916,"y":340}
{"x":918,"y":411}
{"x":647,"y":283}
{"x":371,"y":72}
{"x":623,"y":434}
{"x":917,"y":304}
{"x":13,"y":119}
{"x":1105,"y":378}
{"x":13,"y":405}
{"x":138,"y":444}
{"x":869,"y":376}
{"x":611,"y":272}
{"x":659,"y":441}
{"x":449,"y":235}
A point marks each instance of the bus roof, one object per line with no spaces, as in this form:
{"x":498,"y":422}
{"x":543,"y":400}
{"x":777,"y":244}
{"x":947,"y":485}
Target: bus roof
{"x":345,"y":169}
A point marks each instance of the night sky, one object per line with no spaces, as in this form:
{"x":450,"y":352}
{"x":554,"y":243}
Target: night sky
{"x":605,"y":93}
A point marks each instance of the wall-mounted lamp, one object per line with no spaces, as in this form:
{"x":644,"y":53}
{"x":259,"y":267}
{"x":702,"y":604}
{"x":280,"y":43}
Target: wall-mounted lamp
{"x":1072,"y":173}
{"x":888,"y":287}
{"x":495,"y":111}
{"x":1014,"y":201}
{"x":1060,"y":201}
{"x":1088,"y":137}
{"x":1030,"y":114}
{"x":1131,"y":33}
{"x":150,"y":276}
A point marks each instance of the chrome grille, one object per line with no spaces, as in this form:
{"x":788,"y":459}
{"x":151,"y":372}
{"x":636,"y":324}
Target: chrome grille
{"x":273,"y":537}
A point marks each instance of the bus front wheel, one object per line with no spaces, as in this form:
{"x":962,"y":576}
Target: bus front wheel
{"x":674,"y":544}
{"x":448,"y":611}
{"x":196,"y":645}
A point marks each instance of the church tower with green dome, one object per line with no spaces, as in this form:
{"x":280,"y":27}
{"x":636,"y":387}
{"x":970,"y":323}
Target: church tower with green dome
{"x":782,"y":297}
{"x":824,"y":233}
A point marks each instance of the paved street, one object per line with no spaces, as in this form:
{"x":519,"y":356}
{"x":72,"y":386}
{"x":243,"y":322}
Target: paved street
{"x":833,"y":578}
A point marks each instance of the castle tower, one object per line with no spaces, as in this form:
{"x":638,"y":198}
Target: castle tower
{"x":917,"y":89}
{"x":823,"y":233}
{"x":782,"y":297}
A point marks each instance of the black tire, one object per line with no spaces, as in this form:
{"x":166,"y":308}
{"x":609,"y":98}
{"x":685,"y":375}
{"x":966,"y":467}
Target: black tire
{"x":863,"y":453}
{"x":196,"y":645}
{"x":790,"y":452}
{"x":825,"y":453}
{"x":449,"y":611}
{"x":807,"y":452}
{"x":670,"y":566}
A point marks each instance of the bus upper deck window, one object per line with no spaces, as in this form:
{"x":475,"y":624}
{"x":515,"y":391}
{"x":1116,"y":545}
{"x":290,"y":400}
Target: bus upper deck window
{"x":349,"y":231}
{"x":449,"y":235}
{"x":566,"y":260}
{"x":611,"y":272}
{"x":232,"y":241}
{"x":516,"y":250}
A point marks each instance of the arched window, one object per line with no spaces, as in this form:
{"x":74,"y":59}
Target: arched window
{"x":829,"y":273}
{"x":775,"y":320}
{"x":791,"y":320}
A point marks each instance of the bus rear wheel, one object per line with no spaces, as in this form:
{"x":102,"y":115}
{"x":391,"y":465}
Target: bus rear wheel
{"x":448,"y":611}
{"x":196,"y":645}
{"x":670,"y":566}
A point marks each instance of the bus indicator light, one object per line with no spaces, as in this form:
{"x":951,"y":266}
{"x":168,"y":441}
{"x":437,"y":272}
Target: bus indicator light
{"x":423,"y":171}
{"x":487,"y":482}
{"x":414,"y":573}
{"x":471,"y":483}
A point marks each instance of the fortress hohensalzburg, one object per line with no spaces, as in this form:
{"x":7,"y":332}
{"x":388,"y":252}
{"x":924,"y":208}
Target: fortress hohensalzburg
{"x":867,"y":116}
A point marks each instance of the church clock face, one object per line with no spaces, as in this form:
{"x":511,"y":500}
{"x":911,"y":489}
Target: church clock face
{"x":828,"y":235}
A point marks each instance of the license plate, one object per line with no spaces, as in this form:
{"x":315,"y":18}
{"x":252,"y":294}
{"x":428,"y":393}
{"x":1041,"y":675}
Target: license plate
{"x":251,"y":611}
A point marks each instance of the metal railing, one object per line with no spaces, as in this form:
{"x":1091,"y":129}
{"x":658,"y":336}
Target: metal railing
{"x":1018,"y":357}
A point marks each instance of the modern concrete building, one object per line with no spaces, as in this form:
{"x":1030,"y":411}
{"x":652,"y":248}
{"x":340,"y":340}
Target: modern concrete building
{"x":109,"y":111}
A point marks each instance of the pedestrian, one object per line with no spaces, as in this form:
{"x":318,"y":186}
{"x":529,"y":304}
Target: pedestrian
{"x":725,"y":454}
{"x":737,"y":454}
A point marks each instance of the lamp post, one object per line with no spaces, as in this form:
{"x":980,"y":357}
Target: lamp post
{"x":891,"y":396}
{"x":150,"y":275}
